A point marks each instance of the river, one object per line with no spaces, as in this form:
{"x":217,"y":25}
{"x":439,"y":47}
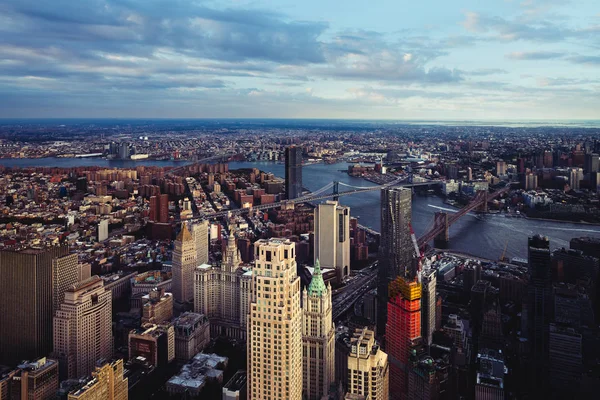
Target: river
{"x":481,"y":236}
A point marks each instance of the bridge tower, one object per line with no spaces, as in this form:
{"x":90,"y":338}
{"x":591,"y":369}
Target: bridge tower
{"x":482,"y":195}
{"x":336,"y":190}
{"x":441,"y":220}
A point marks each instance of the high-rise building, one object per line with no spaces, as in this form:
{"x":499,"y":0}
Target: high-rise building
{"x":565,"y":359}
{"x":37,"y":380}
{"x":403,"y":332}
{"x":102,"y":230}
{"x":428,"y":304}
{"x":154,"y":208}
{"x":332,"y":237}
{"x":192,"y":334}
{"x":540,"y":306}
{"x":501,"y":168}
{"x":163,"y":211}
{"x":293,"y":172}
{"x":26,"y":301}
{"x":531,"y":181}
{"x":395,"y":245}
{"x":368,"y":373}
{"x":65,"y":273}
{"x":592,"y":163}
{"x":184,"y":264}
{"x":318,"y":338}
{"x":275,"y":324}
{"x":223,"y":293}
{"x":156,"y":343}
{"x":83,"y":328}
{"x":107,"y":383}
{"x":200,"y":233}
{"x":489,"y":384}
{"x":575,"y":177}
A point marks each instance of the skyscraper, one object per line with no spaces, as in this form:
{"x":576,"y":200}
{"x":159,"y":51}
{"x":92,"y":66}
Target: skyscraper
{"x":163,"y":211}
{"x":293,"y":172}
{"x":184,"y":264}
{"x":200,"y":233}
{"x":403,"y":332}
{"x":540,"y":305}
{"x":428,"y":304}
{"x":368,"y":373}
{"x":223,"y":293}
{"x":575,"y":177}
{"x":318,"y":338}
{"x":395,"y":245}
{"x":592,"y":163}
{"x":83,"y":328}
{"x":65,"y":273}
{"x":332,"y":237}
{"x":26,"y":302}
{"x":275,"y":324}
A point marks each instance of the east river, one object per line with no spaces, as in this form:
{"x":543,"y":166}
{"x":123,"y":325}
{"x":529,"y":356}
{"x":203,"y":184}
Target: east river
{"x":482,"y":236}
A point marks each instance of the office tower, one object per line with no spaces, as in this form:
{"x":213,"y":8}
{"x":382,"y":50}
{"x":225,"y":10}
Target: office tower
{"x":275,"y":324}
{"x":565,"y":359}
{"x":223,"y":293}
{"x":83,"y":328}
{"x":575,"y":177}
{"x":428,"y":306}
{"x":293,"y":172}
{"x":200,"y":233}
{"x":332,"y":237}
{"x":156,"y":343}
{"x":489,"y":383}
{"x":154,"y":208}
{"x":102,"y":230}
{"x":368,"y":373}
{"x":318,"y":338}
{"x":107,"y":383}
{"x":395,"y":245}
{"x":592,"y":163}
{"x":469,"y":174}
{"x":37,"y":380}
{"x":184,"y":264}
{"x":163,"y":211}
{"x":539,"y":307}
{"x":65,"y":273}
{"x":531,"y":181}
{"x":26,"y":302}
{"x":192,"y":334}
{"x":157,"y":306}
{"x":403,"y":331}
{"x":500,"y":168}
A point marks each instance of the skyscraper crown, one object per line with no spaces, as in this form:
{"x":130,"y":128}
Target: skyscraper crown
{"x":317,"y":284}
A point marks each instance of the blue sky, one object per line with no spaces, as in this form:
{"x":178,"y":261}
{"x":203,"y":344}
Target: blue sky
{"x":493,"y":59}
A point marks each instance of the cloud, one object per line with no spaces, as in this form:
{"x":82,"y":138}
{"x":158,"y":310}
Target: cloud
{"x":587,"y":60}
{"x":534,"y":55}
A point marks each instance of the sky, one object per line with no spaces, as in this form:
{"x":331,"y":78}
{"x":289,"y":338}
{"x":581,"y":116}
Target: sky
{"x":376,"y":59}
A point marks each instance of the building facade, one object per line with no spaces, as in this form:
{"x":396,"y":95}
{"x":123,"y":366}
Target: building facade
{"x":83,"y":328}
{"x":293,"y":172}
{"x":157,"y":307}
{"x":368,"y":373}
{"x":200,"y":233}
{"x":222,"y":293}
{"x":107,"y":383}
{"x":403,"y":332}
{"x":395,"y":246}
{"x":332,"y":237}
{"x":275,"y":324}
{"x":37,"y":380}
{"x":156,"y":343}
{"x":428,"y":306}
{"x":184,"y":264}
{"x":192,"y":334}
{"x":318,"y":338}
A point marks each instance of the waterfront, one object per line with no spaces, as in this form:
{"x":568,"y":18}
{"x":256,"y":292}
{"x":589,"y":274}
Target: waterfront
{"x":483,"y":236}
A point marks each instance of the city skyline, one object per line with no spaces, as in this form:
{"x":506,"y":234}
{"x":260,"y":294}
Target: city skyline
{"x":393,"y":60}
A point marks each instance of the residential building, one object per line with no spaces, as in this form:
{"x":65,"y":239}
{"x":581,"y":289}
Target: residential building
{"x":428,"y":304}
{"x":368,"y":372}
{"x":293,"y":172}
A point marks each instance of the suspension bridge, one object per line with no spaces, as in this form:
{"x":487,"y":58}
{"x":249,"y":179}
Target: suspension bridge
{"x":331,"y":190}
